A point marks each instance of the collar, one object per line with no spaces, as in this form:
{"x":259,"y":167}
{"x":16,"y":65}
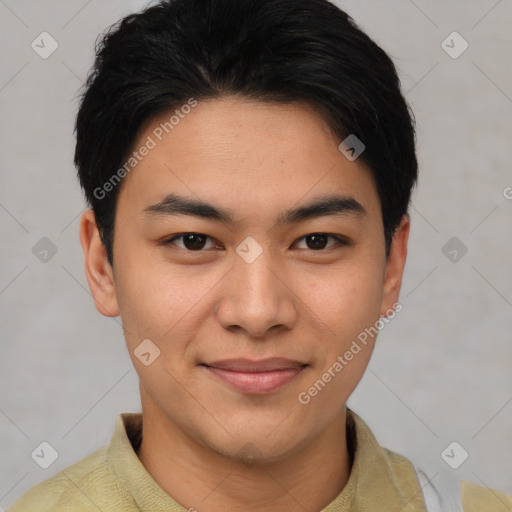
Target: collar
{"x":379,"y":479}
{"x":129,"y":470}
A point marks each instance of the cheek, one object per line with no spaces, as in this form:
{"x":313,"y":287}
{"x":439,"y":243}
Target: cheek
{"x":345,"y":306}
{"x":346,"y":298}
{"x":158,"y":299}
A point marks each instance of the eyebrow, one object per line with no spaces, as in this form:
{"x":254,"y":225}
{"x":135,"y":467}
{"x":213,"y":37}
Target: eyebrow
{"x":334,"y":204}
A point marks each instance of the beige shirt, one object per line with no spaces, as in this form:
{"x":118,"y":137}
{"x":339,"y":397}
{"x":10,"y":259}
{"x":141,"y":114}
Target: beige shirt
{"x":112,"y":479}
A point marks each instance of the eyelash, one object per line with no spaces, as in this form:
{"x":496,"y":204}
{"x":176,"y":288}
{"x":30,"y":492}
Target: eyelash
{"x":342,"y":242}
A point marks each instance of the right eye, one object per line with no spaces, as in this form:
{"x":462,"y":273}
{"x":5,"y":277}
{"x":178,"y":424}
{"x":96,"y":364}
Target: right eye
{"x":193,"y":242}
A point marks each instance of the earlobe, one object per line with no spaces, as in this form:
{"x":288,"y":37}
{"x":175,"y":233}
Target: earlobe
{"x":97,"y":267}
{"x":395,"y":266}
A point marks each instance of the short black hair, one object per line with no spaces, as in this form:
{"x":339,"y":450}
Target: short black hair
{"x":269,"y":50}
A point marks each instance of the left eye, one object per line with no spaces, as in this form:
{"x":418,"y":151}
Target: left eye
{"x":197,"y":241}
{"x":318,"y":241}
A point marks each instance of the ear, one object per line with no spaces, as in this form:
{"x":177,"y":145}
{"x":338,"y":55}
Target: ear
{"x":100,"y":275}
{"x":395,"y":266}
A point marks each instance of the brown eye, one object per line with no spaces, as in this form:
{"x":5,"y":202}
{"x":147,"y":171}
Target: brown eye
{"x":191,"y":241}
{"x":318,"y":241}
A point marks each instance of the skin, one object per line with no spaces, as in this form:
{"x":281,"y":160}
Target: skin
{"x":256,"y":159}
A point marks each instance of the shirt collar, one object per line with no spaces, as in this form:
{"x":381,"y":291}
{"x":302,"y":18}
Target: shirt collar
{"x":379,"y":479}
{"x":133,"y":476}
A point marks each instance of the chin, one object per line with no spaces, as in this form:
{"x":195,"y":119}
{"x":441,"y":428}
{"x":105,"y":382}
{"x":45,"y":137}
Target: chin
{"x":257,"y":445}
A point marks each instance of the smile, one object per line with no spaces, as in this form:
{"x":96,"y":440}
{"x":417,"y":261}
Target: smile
{"x":255,"y":378}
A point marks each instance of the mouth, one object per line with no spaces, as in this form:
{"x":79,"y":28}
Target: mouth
{"x":255,"y":377}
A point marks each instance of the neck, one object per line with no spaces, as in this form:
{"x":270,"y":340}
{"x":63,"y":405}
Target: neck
{"x":200,"y":479}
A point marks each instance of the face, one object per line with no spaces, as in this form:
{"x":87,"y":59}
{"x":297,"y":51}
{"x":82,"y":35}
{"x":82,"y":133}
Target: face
{"x":255,"y":295}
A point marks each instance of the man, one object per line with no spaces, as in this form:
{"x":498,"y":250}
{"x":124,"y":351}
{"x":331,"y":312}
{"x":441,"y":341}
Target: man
{"x":249,"y":165}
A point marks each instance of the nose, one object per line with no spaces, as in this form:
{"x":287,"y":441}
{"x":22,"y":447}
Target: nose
{"x":257,"y":298}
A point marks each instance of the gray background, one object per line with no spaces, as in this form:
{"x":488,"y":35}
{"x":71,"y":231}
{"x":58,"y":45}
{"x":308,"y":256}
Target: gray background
{"x":441,"y":370}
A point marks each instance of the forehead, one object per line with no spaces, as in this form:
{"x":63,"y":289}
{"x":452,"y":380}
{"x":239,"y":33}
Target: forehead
{"x":243,"y":154}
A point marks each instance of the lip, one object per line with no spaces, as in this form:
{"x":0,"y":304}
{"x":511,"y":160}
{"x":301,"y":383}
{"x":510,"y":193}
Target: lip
{"x":255,"y":377}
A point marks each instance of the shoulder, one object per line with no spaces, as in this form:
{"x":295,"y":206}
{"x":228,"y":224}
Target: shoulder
{"x":79,"y":487}
{"x":477,"y":498}
{"x":448,"y":494}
